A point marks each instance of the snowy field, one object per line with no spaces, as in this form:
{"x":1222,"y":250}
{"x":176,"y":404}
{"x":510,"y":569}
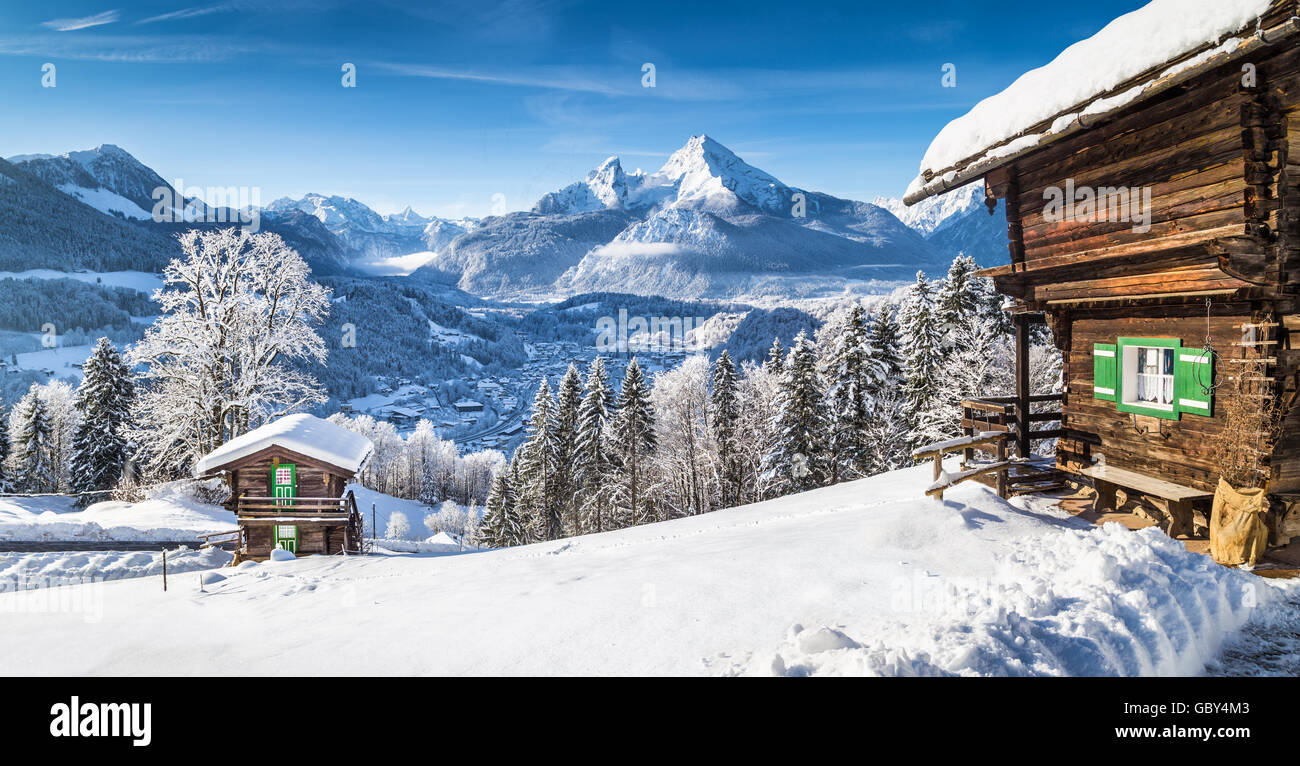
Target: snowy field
{"x":28,"y":571}
{"x":168,"y":513}
{"x":861,"y":578}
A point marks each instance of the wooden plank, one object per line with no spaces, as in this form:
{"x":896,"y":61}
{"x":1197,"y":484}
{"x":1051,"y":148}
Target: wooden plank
{"x":952,"y":445}
{"x":938,"y":487}
{"x":1148,"y":485}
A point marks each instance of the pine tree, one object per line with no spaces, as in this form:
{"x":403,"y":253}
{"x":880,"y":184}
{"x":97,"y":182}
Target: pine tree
{"x":565,"y":439}
{"x":977,"y":366}
{"x":957,"y":299}
{"x":798,"y":462}
{"x":104,"y":399}
{"x":500,"y":527}
{"x":31,"y":460}
{"x":634,"y":439}
{"x":921,"y":350}
{"x":883,"y":349}
{"x":775,"y":357}
{"x":4,"y":450}
{"x":591,"y":460}
{"x":724,"y":414}
{"x":849,"y":378}
{"x":537,"y":466}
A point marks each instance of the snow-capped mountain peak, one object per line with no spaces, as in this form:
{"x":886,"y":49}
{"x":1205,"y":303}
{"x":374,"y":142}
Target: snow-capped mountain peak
{"x":710,"y":175}
{"x":931,"y":213}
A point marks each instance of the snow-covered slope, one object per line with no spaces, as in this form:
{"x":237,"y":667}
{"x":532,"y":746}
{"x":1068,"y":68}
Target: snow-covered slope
{"x":862,"y":578}
{"x":107,"y":178}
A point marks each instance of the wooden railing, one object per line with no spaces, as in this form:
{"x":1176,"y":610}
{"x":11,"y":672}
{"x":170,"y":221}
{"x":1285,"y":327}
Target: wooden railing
{"x":1003,"y":414}
{"x":253,"y":507}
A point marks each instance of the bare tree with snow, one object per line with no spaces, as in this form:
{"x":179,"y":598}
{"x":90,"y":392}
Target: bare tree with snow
{"x":238,"y":311}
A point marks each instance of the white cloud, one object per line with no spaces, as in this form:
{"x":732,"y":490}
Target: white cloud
{"x":85,"y":22}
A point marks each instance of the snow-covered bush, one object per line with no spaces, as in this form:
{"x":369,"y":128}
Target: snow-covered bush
{"x":399,"y":527}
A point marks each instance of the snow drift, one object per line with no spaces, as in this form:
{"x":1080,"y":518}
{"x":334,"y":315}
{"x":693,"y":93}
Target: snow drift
{"x":866,"y":577}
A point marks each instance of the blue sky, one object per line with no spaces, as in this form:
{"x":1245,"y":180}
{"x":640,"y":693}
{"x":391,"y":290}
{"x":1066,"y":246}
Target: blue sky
{"x":456,"y":102}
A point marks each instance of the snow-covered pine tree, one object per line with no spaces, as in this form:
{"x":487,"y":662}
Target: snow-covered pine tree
{"x":724,"y":416}
{"x":921,"y":351}
{"x":775,"y":357}
{"x":537,"y":467}
{"x":4,"y":449}
{"x":31,"y":462}
{"x":99,"y":443}
{"x":978,"y":366}
{"x":848,"y":378}
{"x":492,"y":530}
{"x":633,"y":439}
{"x":565,"y":438}
{"x":515,"y":529}
{"x":798,"y":462}
{"x":883,"y":350}
{"x":591,"y":459}
{"x":957,"y":299}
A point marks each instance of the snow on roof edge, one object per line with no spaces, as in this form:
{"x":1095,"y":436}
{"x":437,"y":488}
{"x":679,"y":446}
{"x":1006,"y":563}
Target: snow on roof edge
{"x":309,"y":435}
{"x":993,"y":132}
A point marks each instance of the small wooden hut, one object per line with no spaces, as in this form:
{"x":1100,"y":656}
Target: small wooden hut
{"x":1151,"y":179}
{"x":288,"y":486}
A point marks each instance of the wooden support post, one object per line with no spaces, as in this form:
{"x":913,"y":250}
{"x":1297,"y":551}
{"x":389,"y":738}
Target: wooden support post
{"x":938,"y":469}
{"x":1001,"y":479}
{"x":1022,"y":385}
{"x":164,"y":569}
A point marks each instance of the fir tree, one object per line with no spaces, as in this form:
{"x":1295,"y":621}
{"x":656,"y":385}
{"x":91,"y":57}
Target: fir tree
{"x":591,"y":461}
{"x":500,"y":527}
{"x":798,"y":462}
{"x":537,"y":465}
{"x":4,"y":450}
{"x":565,"y":440}
{"x":633,"y":440}
{"x":775,"y":357}
{"x":849,"y":378}
{"x":724,"y":414}
{"x":104,"y":399}
{"x":921,"y":350}
{"x":31,"y":459}
{"x":883,"y":349}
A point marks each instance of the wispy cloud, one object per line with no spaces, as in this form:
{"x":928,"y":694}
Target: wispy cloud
{"x":556,"y":78}
{"x":84,"y":22}
{"x":128,"y":49}
{"x":189,"y":13}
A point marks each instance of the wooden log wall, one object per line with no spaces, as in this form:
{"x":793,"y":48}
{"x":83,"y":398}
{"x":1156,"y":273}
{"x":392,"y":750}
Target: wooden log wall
{"x":1181,"y":450}
{"x":254,"y":480}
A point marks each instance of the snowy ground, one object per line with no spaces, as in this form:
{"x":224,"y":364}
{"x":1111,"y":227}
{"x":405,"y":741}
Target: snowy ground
{"x":861,"y":578}
{"x":28,"y":571}
{"x":168,"y":513}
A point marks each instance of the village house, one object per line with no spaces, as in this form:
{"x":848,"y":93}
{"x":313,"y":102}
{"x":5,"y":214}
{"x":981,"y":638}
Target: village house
{"x":1153,"y":222}
{"x":288,"y":486}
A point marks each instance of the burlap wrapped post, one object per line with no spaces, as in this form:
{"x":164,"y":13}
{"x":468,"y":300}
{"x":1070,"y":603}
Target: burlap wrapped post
{"x":1238,"y":534}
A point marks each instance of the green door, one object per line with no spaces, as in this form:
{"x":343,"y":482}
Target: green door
{"x":286,"y":537}
{"x":284,"y":482}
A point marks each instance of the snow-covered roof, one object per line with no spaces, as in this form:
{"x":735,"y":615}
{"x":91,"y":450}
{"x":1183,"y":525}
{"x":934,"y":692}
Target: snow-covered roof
{"x":304,"y":434}
{"x":1130,"y":59}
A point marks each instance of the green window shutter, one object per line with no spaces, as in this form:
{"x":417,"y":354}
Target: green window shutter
{"x":1103,"y":371}
{"x":1193,"y":377}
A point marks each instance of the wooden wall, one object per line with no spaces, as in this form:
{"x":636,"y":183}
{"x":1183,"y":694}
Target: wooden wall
{"x":254,"y":479}
{"x":1187,"y":455}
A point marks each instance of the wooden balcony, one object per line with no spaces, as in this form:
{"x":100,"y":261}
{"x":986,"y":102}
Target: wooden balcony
{"x":297,"y":510}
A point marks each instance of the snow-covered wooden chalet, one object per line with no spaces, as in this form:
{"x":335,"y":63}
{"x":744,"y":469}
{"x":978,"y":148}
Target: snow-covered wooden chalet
{"x":1151,"y":179}
{"x":288,"y":482}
